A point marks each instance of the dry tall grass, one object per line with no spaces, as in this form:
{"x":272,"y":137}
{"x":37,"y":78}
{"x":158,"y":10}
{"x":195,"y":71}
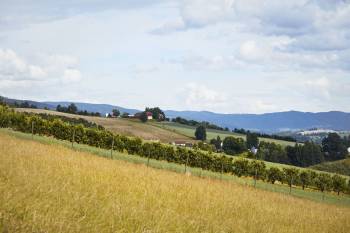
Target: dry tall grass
{"x":53,"y":189}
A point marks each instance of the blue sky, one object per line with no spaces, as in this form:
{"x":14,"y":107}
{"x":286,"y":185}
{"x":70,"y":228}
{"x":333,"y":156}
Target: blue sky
{"x":229,"y":56}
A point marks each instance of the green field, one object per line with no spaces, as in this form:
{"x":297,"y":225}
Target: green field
{"x":340,"y":167}
{"x":297,"y":191}
{"x":211,"y":133}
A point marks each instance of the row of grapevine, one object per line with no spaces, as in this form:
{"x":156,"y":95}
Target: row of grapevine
{"x":99,"y":137}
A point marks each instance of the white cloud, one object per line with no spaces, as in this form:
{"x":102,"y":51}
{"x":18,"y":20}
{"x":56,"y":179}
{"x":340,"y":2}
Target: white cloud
{"x":71,"y":75}
{"x":201,"y":97}
{"x":198,"y":13}
{"x":250,"y":51}
{"x":238,"y":56}
{"x":319,"y":88}
{"x":169,"y":27}
{"x":12,"y":67}
{"x":48,"y":68}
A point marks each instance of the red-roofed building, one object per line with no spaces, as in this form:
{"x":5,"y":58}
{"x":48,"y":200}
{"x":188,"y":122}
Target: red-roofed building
{"x":149,"y":115}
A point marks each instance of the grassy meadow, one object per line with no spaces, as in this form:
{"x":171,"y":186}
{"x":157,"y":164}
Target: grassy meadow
{"x":340,"y":166}
{"x":47,"y":187}
{"x":211,"y":133}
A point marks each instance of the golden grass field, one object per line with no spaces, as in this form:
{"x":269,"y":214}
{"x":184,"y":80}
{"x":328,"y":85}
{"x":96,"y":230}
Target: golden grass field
{"x":49,"y":188}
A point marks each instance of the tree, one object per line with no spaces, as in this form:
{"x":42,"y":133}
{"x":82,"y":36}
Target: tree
{"x":2,"y":101}
{"x":311,"y":154}
{"x":274,"y":174}
{"x":72,"y":108}
{"x":60,"y":108}
{"x":305,"y":155}
{"x":323,"y":182}
{"x":257,"y":169}
{"x":232,"y":146}
{"x":339,"y":184}
{"x":252,"y":140}
{"x":272,"y":152}
{"x":125,"y":115}
{"x":334,"y":147}
{"x":216,"y":142}
{"x":290,"y":176}
{"x":144,"y":117}
{"x":240,"y":167}
{"x":157,"y":113}
{"x":201,"y":133}
{"x":305,"y":179}
{"x":115,"y":112}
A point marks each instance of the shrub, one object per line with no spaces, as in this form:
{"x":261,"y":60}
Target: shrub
{"x":240,"y":167}
{"x":323,"y":182}
{"x":338,"y":183}
{"x":274,"y":174}
{"x":257,"y":169}
{"x":305,"y":178}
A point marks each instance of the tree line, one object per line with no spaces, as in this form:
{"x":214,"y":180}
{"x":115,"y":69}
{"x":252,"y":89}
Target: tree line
{"x":102,"y":138}
{"x":333,"y":148}
{"x":205,"y":124}
{"x":73,"y":109}
{"x":264,"y":135}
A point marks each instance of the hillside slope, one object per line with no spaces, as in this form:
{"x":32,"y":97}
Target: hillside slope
{"x":340,"y":167}
{"x":123,"y":126}
{"x":165,"y":132}
{"x":211,"y":133}
{"x":48,"y":188}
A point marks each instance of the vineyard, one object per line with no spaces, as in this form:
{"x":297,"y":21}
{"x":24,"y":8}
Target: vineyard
{"x":101,"y":138}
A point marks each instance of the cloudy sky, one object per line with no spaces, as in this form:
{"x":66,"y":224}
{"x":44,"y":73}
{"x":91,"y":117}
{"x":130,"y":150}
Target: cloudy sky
{"x":230,"y":56}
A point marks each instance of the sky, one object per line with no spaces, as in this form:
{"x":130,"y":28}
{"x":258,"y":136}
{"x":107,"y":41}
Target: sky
{"x":227,"y":56}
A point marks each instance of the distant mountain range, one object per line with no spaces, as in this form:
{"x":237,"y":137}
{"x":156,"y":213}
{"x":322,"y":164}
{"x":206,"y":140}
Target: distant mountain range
{"x":272,"y":122}
{"x":101,"y":108}
{"x":267,"y":122}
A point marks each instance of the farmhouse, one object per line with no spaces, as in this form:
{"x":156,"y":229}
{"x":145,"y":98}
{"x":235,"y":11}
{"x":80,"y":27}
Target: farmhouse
{"x":182,"y":143}
{"x":149,"y":115}
{"x":139,"y":114}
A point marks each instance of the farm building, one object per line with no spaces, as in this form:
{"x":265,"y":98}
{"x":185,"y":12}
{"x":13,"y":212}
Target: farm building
{"x":138,"y":115}
{"x":182,"y":143}
{"x":149,"y":115}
